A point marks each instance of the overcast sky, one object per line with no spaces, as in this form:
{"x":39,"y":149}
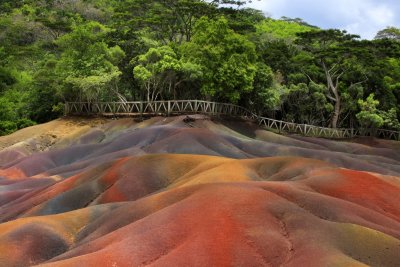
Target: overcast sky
{"x":362,"y":17}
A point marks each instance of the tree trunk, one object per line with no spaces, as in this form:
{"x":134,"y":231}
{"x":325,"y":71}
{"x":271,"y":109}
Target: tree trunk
{"x":336,"y":113}
{"x":333,"y":87}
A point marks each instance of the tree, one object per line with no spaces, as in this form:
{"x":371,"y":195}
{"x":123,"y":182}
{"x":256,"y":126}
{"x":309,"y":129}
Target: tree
{"x":331,"y":50}
{"x":390,"y":119}
{"x":242,"y":20}
{"x":389,"y":33}
{"x":6,"y":77}
{"x":227,"y":59}
{"x":268,"y":92}
{"x":369,"y":116}
{"x":307,"y":103}
{"x":299,"y":21}
{"x":282,"y":29}
{"x":389,"y":81}
{"x":87,"y":64}
{"x":53,"y":51}
{"x":160,"y":71}
{"x":45,"y":92}
{"x":168,"y":20}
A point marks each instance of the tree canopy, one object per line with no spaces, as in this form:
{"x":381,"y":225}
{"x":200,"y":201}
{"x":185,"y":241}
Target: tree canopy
{"x":95,"y":50}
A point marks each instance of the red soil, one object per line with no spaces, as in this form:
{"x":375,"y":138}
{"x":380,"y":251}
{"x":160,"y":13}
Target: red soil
{"x":101,"y":204}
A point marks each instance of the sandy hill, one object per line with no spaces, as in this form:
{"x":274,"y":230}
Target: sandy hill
{"x":162,"y":192}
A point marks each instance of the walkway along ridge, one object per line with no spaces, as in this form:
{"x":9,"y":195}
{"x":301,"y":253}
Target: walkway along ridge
{"x":173,"y":107}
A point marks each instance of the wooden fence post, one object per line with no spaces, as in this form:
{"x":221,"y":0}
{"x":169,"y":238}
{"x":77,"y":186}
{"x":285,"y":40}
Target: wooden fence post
{"x":213,"y":108}
{"x":66,"y":109}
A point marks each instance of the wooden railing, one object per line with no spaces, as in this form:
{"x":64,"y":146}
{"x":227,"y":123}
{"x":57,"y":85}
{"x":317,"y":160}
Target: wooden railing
{"x":173,"y":107}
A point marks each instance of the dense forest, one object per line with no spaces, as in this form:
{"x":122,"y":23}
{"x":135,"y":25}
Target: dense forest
{"x":52,"y":51}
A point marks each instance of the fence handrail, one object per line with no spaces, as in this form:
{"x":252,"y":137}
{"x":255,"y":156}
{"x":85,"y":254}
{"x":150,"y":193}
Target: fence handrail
{"x":170,"y":107}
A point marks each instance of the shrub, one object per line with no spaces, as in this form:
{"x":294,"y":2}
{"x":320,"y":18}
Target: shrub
{"x":24,"y":122}
{"x":58,"y":109}
{"x":7,"y":127}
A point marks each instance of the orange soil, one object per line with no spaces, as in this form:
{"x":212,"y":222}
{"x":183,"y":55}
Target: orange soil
{"x":99,"y":202}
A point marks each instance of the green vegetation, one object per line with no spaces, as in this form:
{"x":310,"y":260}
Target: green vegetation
{"x":226,"y":59}
{"x":94,"y":50}
{"x":285,"y":28}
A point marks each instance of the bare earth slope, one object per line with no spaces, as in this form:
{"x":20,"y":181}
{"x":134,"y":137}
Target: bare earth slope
{"x":210,"y":193}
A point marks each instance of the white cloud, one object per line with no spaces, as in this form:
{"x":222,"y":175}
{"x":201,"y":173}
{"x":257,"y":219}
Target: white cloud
{"x":369,"y":23}
{"x":363,"y":17}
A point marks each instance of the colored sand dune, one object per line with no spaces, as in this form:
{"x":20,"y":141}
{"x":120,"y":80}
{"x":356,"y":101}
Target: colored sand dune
{"x":209,"y":193}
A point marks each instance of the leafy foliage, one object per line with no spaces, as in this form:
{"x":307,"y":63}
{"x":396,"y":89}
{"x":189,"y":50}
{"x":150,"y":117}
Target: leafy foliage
{"x":95,"y":50}
{"x":227,"y":59}
{"x":368,"y":116}
{"x":159,"y":70}
{"x":389,"y":33}
{"x":308,"y":103}
{"x":88,"y":66}
{"x":282,"y":29}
